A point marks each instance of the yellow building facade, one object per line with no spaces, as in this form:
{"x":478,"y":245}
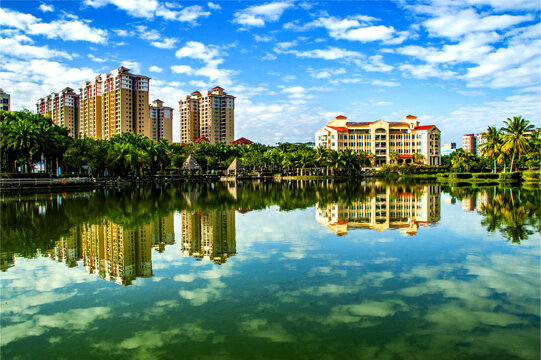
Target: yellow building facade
{"x":386,"y":209}
{"x":210,"y":114}
{"x":115,"y":103}
{"x":63,"y":108}
{"x":161,"y":121}
{"x":381,"y":138}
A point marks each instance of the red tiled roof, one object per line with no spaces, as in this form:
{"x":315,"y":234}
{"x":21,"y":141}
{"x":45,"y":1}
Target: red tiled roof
{"x":424,"y":127}
{"x":337,"y":128}
{"x":406,"y":195}
{"x":201,"y":139}
{"x":216,"y":87}
{"x":243,"y":141}
{"x":196,"y":92}
{"x":411,"y":117}
{"x":341,"y":117}
{"x":406,"y":156}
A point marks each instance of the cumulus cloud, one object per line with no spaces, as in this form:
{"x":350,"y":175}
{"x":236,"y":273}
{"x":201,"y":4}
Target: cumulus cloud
{"x":258,"y":15}
{"x":155,"y":68}
{"x":69,"y":29}
{"x":152,"y":8}
{"x":46,"y":8}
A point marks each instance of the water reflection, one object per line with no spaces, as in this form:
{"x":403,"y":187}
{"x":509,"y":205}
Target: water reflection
{"x":209,"y":236}
{"x":404,"y":208}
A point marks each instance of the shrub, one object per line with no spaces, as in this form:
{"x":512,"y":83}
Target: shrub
{"x":517,"y":175}
{"x":460,"y":176}
{"x":486,"y":176}
{"x":531,"y":175}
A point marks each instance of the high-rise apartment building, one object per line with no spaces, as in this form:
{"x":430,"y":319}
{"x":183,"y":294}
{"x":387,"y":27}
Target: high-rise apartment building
{"x":161,"y":121}
{"x":469,"y":143}
{"x":5,"y":101}
{"x":382,"y":138}
{"x":115,"y":103}
{"x":210,"y":114}
{"x":63,"y":108}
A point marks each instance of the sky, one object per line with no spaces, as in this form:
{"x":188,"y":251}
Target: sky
{"x":293,"y":66}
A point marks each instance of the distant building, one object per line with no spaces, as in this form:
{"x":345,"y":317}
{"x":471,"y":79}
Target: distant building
{"x":448,"y":148}
{"x":473,"y":143}
{"x":210,"y":114}
{"x":381,"y":138}
{"x":63,"y":108}
{"x":469,"y":143}
{"x":5,"y":101}
{"x":242,"y":141}
{"x":161,"y":121}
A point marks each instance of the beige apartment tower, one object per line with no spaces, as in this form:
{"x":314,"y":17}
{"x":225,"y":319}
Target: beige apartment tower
{"x":161,"y":121}
{"x":115,"y":103}
{"x":209,"y":115}
{"x":381,"y":138}
{"x":5,"y":101}
{"x":63,"y":108}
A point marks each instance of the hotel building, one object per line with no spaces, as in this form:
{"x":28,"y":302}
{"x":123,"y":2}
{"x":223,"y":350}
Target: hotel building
{"x":63,"y":108}
{"x":5,"y":101}
{"x":161,"y":121}
{"x":209,"y":236}
{"x":388,"y":209}
{"x":382,"y":138}
{"x":210,"y":114}
{"x":115,"y":103}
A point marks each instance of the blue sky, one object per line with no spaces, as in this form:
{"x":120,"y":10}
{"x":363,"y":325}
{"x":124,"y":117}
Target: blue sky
{"x":293,"y":65}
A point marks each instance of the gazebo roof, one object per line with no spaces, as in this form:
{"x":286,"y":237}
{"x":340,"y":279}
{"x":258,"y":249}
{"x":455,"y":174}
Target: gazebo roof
{"x":191,"y":164}
{"x":235,"y":165}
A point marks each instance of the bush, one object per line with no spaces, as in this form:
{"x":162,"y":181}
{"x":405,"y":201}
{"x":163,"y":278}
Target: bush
{"x":517,"y":175}
{"x":531,"y":175}
{"x":486,"y":176}
{"x":460,"y":176}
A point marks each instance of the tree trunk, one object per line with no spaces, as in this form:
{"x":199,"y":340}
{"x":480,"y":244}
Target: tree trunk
{"x":512,"y":161}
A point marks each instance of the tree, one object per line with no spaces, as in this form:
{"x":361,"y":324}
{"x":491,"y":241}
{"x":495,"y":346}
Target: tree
{"x":492,"y":145}
{"x":394,"y":156}
{"x":514,"y":140}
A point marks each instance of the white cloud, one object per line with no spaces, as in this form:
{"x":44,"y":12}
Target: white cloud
{"x":456,"y":24}
{"x":165,"y":43}
{"x":150,"y":8}
{"x":182,"y":69}
{"x":214,"y":6}
{"x":155,"y":68}
{"x":41,"y":78}
{"x":375,"y":63}
{"x":134,"y":66}
{"x":198,"y":50}
{"x":326,"y":73}
{"x":13,"y":46}
{"x":259,"y":14}
{"x":71,"y":29}
{"x":331,"y":53}
{"x":384,"y":83}
{"x":263,"y":38}
{"x":423,"y":71}
{"x":46,"y":8}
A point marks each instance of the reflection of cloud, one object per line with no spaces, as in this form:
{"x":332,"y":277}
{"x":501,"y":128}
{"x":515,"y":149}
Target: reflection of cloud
{"x":29,"y":303}
{"x":74,"y":320}
{"x":198,"y":297}
{"x":363,"y":314}
{"x":261,"y":328}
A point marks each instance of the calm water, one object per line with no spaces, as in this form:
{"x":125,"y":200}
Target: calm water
{"x":269,"y":271}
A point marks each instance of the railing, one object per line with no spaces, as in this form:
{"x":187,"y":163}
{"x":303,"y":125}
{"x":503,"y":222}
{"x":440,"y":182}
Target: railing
{"x":45,"y":182}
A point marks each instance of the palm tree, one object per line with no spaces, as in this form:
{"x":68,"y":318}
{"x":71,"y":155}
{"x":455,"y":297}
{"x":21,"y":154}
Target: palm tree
{"x":492,"y":144}
{"x":418,"y":157}
{"x":22,"y":136}
{"x":394,"y":156}
{"x":514,"y":139}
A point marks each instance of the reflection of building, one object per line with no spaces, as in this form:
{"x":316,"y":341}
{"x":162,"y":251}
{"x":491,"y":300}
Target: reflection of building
{"x":475,"y":202}
{"x":163,"y":232}
{"x":113,"y":251}
{"x":209,"y":236}
{"x":387,"y":209}
{"x":381,"y":138}
{"x":68,"y":249}
{"x":116,"y":253}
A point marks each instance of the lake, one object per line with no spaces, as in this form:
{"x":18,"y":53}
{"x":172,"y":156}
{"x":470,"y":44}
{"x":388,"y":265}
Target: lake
{"x":292,"y":270}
